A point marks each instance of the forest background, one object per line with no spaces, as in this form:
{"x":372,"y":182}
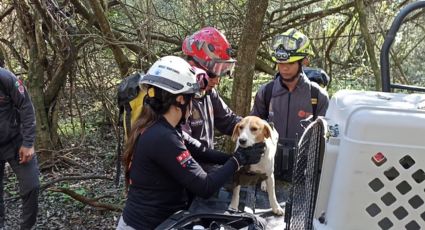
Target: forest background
{"x":72,"y":54}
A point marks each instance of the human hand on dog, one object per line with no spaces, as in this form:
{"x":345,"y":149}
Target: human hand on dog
{"x":249,"y":155}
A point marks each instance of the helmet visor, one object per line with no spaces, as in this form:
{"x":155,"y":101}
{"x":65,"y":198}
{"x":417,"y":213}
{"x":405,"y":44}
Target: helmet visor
{"x":221,"y":68}
{"x":283,"y":42}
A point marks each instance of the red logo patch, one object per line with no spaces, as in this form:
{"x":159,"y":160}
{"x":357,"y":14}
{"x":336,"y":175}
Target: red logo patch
{"x":184,"y":158}
{"x":21,"y":89}
{"x":303,"y":114}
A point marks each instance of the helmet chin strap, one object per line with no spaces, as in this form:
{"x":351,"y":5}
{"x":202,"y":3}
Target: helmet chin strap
{"x":293,"y":78}
{"x":183,"y":108}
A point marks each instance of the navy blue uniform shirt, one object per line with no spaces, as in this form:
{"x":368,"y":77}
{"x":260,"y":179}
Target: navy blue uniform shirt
{"x":164,"y":171}
{"x":17,"y":118}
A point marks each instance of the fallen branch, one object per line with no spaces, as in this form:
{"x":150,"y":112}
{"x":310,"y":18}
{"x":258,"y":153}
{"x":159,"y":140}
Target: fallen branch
{"x":85,"y":200}
{"x":88,"y":177}
{"x":47,"y":164}
{"x":50,"y":183}
{"x":73,"y":162}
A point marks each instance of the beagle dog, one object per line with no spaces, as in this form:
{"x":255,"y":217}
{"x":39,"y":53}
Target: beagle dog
{"x":248,"y":131}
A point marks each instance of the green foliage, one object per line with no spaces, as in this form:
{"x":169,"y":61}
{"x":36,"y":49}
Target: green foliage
{"x":146,"y":30}
{"x":225,"y":89}
{"x":11,"y":186}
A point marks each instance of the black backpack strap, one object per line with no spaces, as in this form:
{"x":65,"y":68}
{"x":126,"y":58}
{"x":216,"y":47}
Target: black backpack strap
{"x":126,"y":131}
{"x":119,"y":147}
{"x":268,"y":98}
{"x":314,"y":99}
{"x":128,"y":89}
{"x":119,"y":150}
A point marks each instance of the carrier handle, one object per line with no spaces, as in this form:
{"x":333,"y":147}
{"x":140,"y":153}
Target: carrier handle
{"x":385,"y":51}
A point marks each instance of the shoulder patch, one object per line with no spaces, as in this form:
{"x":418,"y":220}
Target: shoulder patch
{"x":185,"y":159}
{"x":21,"y":89}
{"x":20,"y":86}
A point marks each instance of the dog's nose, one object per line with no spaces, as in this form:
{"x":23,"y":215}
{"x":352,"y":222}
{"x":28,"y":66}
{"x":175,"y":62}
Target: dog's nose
{"x":242,"y":141}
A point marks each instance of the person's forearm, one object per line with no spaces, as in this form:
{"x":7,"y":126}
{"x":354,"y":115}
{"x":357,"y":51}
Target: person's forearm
{"x":214,"y":180}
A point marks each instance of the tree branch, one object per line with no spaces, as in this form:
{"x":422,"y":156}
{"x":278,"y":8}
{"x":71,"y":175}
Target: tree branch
{"x":85,"y":200}
{"x":364,"y":28}
{"x":262,"y":66}
{"x":15,"y":53}
{"x":70,"y":178}
{"x":122,"y":60}
{"x":6,"y":12}
{"x":306,"y":18}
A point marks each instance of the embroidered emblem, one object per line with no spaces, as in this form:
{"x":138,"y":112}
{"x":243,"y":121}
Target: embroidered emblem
{"x":185,"y":159}
{"x":18,"y":84}
{"x":21,"y":89}
{"x":304,"y":114}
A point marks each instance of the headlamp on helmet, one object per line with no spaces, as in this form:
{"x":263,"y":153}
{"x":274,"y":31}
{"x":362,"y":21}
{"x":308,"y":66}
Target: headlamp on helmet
{"x":291,"y":46}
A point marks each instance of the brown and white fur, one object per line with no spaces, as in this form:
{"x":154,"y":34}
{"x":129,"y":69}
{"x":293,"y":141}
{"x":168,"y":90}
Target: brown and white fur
{"x":248,"y":131}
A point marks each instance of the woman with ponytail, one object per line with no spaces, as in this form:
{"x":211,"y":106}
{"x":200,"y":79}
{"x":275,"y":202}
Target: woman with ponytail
{"x":160,"y":170}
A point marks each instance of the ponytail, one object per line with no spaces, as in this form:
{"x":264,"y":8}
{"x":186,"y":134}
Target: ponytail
{"x":153,"y":107}
{"x":146,"y":119}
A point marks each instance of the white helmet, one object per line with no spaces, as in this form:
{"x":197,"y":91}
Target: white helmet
{"x":172,"y":74}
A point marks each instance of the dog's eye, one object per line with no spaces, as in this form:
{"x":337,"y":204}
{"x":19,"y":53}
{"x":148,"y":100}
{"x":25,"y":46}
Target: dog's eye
{"x":254,"y":129}
{"x":241,"y":127}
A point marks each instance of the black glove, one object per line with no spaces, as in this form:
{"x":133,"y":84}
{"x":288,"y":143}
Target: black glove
{"x":249,"y":155}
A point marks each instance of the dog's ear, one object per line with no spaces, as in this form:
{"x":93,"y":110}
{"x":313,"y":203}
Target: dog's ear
{"x":271,"y":124}
{"x":267,"y":131}
{"x":236,"y":133}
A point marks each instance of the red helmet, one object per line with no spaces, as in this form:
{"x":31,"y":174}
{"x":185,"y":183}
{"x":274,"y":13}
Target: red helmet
{"x":210,"y":49}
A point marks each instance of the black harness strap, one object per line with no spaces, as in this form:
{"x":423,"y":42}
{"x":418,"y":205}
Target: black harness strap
{"x":314,"y":100}
{"x":268,"y":98}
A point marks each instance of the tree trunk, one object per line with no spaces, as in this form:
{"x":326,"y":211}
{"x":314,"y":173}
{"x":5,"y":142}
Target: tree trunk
{"x":36,"y":70}
{"x":370,"y":46}
{"x":123,"y":63}
{"x":48,"y":67}
{"x":35,"y":87}
{"x":247,"y":54}
{"x":247,"y":57}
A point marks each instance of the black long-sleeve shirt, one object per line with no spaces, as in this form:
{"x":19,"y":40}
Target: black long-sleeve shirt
{"x":17,"y":115}
{"x":162,"y":173}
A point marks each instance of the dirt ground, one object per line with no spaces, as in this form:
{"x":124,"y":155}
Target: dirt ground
{"x":60,"y":211}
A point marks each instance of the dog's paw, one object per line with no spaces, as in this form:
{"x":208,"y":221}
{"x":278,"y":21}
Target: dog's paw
{"x":263,"y":186}
{"x":278,"y":211}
